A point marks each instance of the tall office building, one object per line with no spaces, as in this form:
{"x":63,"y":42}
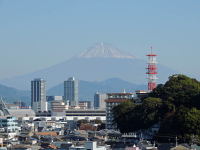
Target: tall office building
{"x":71,"y":91}
{"x":99,"y":101}
{"x":38,"y":95}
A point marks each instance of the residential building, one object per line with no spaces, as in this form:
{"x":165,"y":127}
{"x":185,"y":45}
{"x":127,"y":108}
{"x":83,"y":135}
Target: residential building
{"x":89,"y":145}
{"x":132,"y":148}
{"x":99,"y":100}
{"x":85,"y":104}
{"x":141,"y":93}
{"x":38,"y":95}
{"x":53,"y":98}
{"x":115,"y":99}
{"x":71,"y":91}
{"x":146,"y":145}
{"x":8,"y":127}
{"x":58,"y":108}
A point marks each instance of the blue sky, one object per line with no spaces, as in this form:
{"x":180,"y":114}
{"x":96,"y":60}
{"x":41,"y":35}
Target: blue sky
{"x":36,"y":34}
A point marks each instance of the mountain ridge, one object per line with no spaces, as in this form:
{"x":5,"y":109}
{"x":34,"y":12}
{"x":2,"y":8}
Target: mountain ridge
{"x":91,"y":69}
{"x":10,"y":94}
{"x":104,"y":50}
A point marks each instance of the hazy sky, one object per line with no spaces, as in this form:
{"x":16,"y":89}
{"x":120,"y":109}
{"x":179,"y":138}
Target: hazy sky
{"x":36,"y":34}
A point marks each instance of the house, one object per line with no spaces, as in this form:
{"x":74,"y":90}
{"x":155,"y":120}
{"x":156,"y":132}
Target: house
{"x":89,"y":145}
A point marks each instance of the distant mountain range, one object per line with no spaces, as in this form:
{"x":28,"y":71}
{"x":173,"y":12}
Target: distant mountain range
{"x":87,"y":89}
{"x":97,"y":63}
{"x":9,"y":94}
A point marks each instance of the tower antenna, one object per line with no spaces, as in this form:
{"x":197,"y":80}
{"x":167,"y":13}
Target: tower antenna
{"x":151,"y":71}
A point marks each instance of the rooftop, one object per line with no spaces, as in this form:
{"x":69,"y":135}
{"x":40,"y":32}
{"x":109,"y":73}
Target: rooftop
{"x":21,"y":112}
{"x":47,"y":133}
{"x":120,"y":93}
{"x":116,"y":100}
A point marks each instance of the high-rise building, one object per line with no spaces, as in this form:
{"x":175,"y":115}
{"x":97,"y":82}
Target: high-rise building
{"x":71,"y":91}
{"x":38,"y":95}
{"x":99,"y":101}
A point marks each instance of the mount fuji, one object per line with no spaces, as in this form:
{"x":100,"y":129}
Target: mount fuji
{"x":97,"y":63}
{"x":103,"y":50}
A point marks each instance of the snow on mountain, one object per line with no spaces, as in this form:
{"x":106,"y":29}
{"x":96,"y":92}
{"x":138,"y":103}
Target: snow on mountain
{"x":103,"y":50}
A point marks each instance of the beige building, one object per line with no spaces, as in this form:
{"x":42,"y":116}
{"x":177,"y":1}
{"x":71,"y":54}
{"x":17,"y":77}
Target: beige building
{"x":58,"y":108}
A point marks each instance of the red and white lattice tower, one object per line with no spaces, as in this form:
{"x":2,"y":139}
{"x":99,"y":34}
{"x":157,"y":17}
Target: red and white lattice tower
{"x":151,"y":71}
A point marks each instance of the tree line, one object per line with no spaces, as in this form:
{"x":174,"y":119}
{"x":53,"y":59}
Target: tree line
{"x":175,"y":105}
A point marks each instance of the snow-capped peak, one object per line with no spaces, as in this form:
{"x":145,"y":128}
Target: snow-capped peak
{"x":102,"y":50}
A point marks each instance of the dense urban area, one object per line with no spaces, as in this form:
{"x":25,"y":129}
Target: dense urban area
{"x":166,"y":116}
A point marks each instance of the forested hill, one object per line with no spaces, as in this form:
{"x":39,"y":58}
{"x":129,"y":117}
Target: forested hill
{"x":176,"y":105}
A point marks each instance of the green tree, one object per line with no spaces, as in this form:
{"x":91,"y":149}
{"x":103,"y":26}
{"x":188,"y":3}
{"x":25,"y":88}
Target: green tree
{"x":176,"y":105}
{"x":179,"y":90}
{"x":121,"y":115}
{"x":131,"y":117}
{"x":192,"y":122}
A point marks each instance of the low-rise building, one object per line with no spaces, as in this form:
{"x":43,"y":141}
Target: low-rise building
{"x":8,"y":127}
{"x":53,"y":98}
{"x":89,"y":145}
{"x":58,"y":108}
{"x":88,"y":114}
{"x":141,"y":93}
{"x":21,"y":112}
{"x":83,"y":105}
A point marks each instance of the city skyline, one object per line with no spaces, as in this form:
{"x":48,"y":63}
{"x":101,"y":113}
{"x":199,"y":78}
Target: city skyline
{"x":56,"y":31}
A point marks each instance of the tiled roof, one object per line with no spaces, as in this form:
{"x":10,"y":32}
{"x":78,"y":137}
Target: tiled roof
{"x":52,"y":146}
{"x":47,"y":133}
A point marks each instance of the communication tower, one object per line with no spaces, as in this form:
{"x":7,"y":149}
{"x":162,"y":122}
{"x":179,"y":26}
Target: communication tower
{"x":151,"y":71}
